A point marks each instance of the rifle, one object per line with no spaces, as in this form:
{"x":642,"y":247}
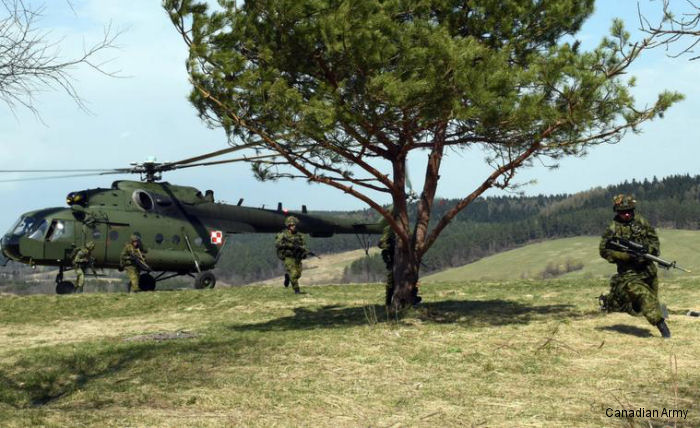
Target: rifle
{"x":140,"y":263}
{"x":638,"y":250}
{"x":312,"y":254}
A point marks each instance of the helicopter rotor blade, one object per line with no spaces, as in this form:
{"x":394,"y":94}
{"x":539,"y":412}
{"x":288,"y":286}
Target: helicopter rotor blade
{"x":56,"y":170}
{"x":52,"y":177}
{"x":243,"y":159}
{"x":172,"y":165}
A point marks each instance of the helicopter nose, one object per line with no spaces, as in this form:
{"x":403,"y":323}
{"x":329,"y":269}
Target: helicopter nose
{"x":9,"y":246}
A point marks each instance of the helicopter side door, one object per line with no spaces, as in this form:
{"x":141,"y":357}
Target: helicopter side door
{"x":97,"y":234}
{"x":60,"y":239}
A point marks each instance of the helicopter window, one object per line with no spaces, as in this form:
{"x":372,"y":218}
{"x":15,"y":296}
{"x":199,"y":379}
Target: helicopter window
{"x":198,"y":241}
{"x":159,"y":238}
{"x":142,"y":199}
{"x":176,"y":239}
{"x":23,"y":226}
{"x":113,"y":235}
{"x":60,"y":229}
{"x":40,"y":230}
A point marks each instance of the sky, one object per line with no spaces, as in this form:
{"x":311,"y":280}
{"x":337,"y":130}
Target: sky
{"x":145,"y":113}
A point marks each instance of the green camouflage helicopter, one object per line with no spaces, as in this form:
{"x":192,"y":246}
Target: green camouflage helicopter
{"x":183,"y":229}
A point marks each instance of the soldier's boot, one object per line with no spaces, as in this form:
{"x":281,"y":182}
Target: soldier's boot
{"x":297,"y":291}
{"x":286,"y":280}
{"x":603,"y":303}
{"x":79,"y":289}
{"x":663,"y":329}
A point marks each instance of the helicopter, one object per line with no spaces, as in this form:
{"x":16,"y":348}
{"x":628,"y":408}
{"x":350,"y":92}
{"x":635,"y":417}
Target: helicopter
{"x":183,"y":229}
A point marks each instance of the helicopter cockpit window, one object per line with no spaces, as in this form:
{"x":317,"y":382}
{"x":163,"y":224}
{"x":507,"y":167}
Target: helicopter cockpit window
{"x":23,"y":226}
{"x":60,"y":229}
{"x":39,"y":231}
{"x":142,"y":200}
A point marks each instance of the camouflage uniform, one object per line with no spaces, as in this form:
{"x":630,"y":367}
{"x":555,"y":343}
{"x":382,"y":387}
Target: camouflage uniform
{"x":132,"y":249}
{"x":291,"y":249}
{"x":387,"y":243}
{"x":81,"y":260}
{"x":634,"y":289}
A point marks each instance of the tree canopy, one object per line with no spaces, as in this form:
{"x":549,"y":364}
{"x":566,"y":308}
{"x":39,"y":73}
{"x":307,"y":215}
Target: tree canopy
{"x":340,"y":92}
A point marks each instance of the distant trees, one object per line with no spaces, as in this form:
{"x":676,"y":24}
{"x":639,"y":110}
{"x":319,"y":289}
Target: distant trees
{"x":342,"y":92}
{"x":30,"y":61}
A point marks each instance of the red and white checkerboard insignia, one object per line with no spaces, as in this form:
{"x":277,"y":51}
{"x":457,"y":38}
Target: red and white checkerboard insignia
{"x":217,"y":237}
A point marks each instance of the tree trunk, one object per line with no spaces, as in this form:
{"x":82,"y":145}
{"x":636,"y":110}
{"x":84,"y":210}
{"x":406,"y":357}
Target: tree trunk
{"x":406,"y":270}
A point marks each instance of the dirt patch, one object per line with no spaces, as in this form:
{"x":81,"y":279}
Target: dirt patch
{"x":159,"y":336}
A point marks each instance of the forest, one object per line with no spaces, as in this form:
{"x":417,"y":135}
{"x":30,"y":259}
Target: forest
{"x":488,"y":226}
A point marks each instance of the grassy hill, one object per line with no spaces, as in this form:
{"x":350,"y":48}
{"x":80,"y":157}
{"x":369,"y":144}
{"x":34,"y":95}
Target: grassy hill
{"x":487,"y":354}
{"x":535,"y":261}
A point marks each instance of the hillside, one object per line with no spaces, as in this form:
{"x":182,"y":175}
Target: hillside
{"x":488,"y":354}
{"x":579,"y":255}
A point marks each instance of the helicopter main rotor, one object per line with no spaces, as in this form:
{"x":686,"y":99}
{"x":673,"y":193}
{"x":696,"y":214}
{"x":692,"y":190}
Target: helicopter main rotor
{"x":149,"y":170}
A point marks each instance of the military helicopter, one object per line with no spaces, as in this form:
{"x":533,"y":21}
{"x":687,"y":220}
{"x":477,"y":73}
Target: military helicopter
{"x":183,"y":229}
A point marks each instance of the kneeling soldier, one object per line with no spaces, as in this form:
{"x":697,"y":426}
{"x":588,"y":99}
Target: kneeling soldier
{"x":634,"y":289}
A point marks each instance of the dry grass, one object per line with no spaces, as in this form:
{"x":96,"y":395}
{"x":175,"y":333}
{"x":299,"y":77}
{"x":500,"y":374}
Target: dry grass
{"x":516,"y":354}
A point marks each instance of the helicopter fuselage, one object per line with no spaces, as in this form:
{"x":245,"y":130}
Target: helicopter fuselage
{"x":182,"y":230}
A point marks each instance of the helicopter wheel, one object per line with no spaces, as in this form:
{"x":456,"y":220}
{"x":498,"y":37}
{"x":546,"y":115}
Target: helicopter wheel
{"x":205,"y":280}
{"x":65,"y":287}
{"x":147,"y":282}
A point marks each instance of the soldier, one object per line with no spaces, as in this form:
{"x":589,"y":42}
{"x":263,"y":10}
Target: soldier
{"x":131,"y":260}
{"x":634,"y":289}
{"x":387,"y":243}
{"x":81,"y":260}
{"x":291,"y":249}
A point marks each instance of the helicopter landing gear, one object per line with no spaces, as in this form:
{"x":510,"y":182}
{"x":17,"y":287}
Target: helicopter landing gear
{"x":63,"y":287}
{"x":204,"y":280}
{"x":147,"y":282}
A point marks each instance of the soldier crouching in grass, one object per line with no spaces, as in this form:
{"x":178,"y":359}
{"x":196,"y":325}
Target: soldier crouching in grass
{"x":291,"y":249}
{"x":634,"y":289}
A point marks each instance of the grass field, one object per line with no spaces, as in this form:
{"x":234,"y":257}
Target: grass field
{"x":532,"y":260}
{"x":475,"y":354}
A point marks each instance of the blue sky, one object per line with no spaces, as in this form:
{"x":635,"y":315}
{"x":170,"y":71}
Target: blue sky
{"x":146,"y":113}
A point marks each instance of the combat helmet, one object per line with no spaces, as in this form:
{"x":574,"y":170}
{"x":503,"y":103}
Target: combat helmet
{"x":134,"y":237}
{"x":623,"y":202}
{"x":291,"y":220}
{"x":90,"y":245}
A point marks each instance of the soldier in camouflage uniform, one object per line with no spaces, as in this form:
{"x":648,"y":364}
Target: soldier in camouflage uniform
{"x":82,"y":260}
{"x":387,"y":243}
{"x":634,"y":289}
{"x":291,"y":249}
{"x":133,"y":253}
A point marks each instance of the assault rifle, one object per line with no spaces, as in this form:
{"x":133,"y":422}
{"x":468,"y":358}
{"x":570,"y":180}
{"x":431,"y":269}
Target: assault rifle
{"x":638,"y":250}
{"x":312,"y":254}
{"x":140,"y":263}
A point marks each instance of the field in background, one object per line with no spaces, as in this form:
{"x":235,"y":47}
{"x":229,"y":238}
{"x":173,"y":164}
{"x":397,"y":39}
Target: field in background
{"x":475,"y":354}
{"x":580,"y":254}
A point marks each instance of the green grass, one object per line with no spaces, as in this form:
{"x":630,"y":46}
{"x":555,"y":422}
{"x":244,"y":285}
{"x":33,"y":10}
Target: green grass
{"x":487,"y":354}
{"x":532,"y":260}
